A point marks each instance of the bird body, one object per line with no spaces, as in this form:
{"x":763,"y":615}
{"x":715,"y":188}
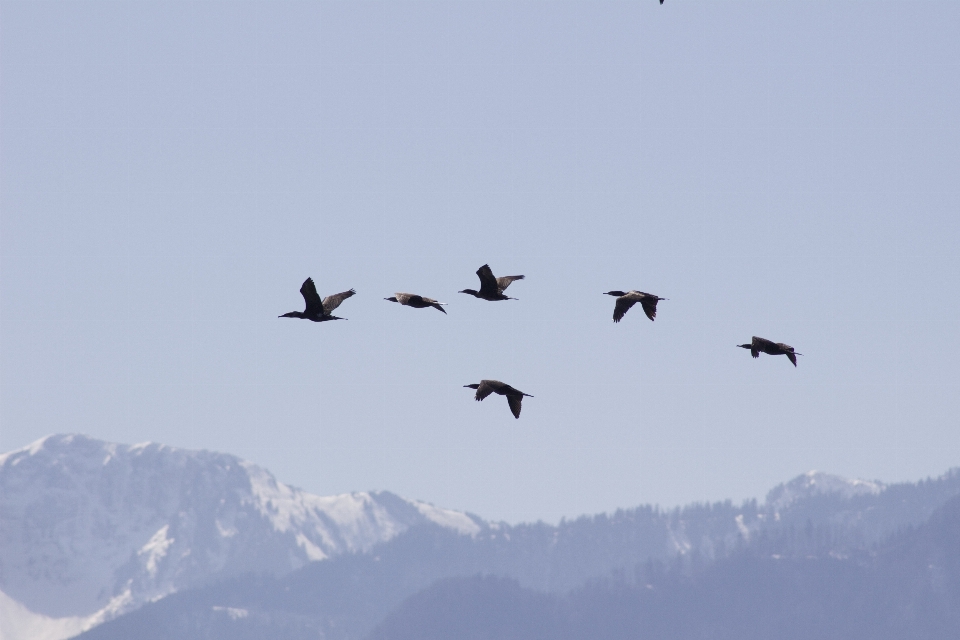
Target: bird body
{"x":626,"y":299}
{"x":486,"y":387}
{"x":415,"y":301}
{"x":318,"y":310}
{"x":491,"y":287}
{"x":762,"y":345}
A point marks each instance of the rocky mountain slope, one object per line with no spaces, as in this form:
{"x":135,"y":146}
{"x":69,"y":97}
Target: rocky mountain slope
{"x":162,"y":540}
{"x":426,"y":582}
{"x":90,"y":529}
{"x":908,"y":588}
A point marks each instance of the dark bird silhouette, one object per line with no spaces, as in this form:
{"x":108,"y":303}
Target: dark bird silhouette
{"x":491,"y":288}
{"x":627,"y":299}
{"x":763,"y":345}
{"x":318,"y":310}
{"x":415,"y":301}
{"x":486,"y":387}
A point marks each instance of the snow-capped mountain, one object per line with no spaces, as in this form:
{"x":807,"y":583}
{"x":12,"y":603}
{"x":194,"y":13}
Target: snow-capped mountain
{"x":91,"y":529}
{"x":814,"y":483}
{"x":833,"y":524}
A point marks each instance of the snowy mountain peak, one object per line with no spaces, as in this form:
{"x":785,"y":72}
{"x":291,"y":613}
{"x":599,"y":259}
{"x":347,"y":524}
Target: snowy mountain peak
{"x":813,"y":483}
{"x":91,"y":529}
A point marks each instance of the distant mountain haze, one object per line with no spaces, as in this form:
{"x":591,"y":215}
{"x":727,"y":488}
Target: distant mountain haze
{"x":91,"y":530}
{"x":910,"y":588}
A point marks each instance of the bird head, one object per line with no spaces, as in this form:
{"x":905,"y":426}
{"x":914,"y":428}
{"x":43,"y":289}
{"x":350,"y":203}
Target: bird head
{"x":745,"y":346}
{"x":471,"y":386}
{"x":470,"y":291}
{"x":292,"y":314}
{"x":615,"y":293}
{"x":392,"y":299}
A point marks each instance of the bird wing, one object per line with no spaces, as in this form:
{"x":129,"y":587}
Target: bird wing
{"x":514,"y":402}
{"x":309,"y":292}
{"x":488,"y":284}
{"x":793,"y":357}
{"x":623,"y":305}
{"x":484,"y":390}
{"x":332,"y":302}
{"x":762,"y":344}
{"x":433,"y":303}
{"x":504,"y":282}
{"x":649,"y":304}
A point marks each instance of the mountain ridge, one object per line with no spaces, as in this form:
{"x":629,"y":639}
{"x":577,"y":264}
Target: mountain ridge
{"x":91,"y":530}
{"x":910,"y":588}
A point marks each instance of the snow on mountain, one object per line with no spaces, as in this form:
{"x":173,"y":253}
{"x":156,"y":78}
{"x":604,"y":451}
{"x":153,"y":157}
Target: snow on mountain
{"x":91,"y":529}
{"x":813,"y":483}
{"x":16,"y":621}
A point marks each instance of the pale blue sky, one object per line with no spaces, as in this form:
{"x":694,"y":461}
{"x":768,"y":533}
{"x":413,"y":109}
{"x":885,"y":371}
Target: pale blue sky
{"x":172,"y":171}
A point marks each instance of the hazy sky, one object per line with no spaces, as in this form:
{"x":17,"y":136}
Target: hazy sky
{"x":172,"y":171}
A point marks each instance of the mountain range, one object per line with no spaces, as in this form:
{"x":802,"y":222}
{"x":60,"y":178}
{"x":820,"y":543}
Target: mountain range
{"x":144,"y":541}
{"x":90,"y":530}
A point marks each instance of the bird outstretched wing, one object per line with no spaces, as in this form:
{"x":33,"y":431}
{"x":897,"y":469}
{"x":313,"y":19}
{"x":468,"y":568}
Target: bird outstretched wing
{"x":623,"y":305}
{"x":649,"y":304}
{"x":488,"y":284}
{"x":483,"y":390}
{"x":309,"y":292}
{"x":435,"y":304}
{"x":504,"y":281}
{"x":332,"y":302}
{"x":514,"y":402}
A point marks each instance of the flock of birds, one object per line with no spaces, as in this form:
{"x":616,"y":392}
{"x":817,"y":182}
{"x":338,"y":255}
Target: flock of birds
{"x":492,"y":289}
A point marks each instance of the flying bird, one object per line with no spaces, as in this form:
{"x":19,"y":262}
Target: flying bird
{"x":486,"y":387}
{"x":627,"y":299}
{"x":758,"y":345}
{"x":415,"y":301}
{"x":318,"y":310}
{"x":491,"y":288}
